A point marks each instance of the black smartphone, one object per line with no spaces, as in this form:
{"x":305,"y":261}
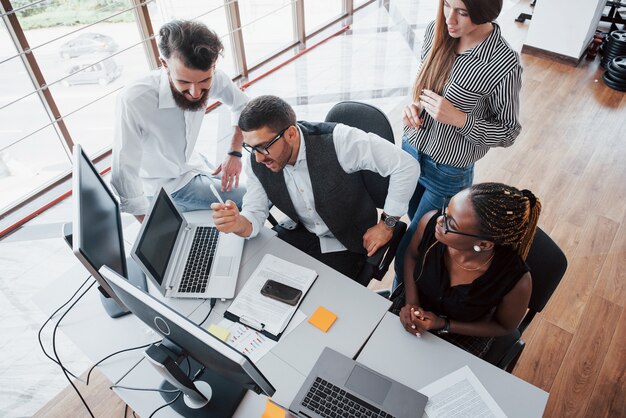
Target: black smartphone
{"x":281,"y":292}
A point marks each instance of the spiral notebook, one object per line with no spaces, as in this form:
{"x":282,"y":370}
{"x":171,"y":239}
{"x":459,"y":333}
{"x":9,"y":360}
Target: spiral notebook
{"x":266,"y":315}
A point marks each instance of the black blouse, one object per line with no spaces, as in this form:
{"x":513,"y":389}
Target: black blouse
{"x":465,"y":302}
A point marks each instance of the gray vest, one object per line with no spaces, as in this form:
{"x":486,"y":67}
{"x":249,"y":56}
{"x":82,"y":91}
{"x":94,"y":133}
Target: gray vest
{"x":341,"y":199}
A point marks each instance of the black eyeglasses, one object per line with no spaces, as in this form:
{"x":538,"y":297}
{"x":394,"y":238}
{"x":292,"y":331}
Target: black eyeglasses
{"x":264,"y":149}
{"x":446,"y":227}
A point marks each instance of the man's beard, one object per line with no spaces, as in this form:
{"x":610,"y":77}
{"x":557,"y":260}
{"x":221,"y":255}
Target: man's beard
{"x":186,"y":104}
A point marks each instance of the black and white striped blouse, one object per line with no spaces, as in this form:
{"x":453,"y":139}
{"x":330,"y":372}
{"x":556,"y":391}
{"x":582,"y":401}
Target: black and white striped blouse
{"x":485,"y":82}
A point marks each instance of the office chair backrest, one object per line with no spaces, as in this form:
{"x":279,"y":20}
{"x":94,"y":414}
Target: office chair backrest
{"x":547,"y":266}
{"x":367,"y":118}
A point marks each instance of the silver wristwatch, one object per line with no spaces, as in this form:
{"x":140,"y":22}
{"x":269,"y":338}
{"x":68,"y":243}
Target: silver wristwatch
{"x":389,"y":221}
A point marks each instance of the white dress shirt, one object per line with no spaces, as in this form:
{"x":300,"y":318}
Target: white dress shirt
{"x":356,"y":150}
{"x":154,"y":140}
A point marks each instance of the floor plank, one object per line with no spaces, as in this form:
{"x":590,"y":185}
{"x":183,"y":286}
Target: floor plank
{"x":543,"y":355}
{"x":581,"y":366}
{"x":609,"y":394}
{"x":569,"y":301}
{"x":102,"y":401}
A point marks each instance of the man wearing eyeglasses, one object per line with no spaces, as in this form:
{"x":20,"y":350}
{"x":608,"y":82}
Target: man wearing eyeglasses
{"x":158,"y":120}
{"x":309,"y":172}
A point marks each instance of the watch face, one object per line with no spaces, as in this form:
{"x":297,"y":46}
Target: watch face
{"x":390,"y":222}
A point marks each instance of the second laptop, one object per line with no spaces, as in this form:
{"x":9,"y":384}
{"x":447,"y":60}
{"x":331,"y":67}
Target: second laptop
{"x":186,"y":260}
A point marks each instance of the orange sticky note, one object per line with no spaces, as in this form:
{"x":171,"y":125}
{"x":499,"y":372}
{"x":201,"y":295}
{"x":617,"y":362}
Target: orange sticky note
{"x":322,"y":318}
{"x":273,"y":411}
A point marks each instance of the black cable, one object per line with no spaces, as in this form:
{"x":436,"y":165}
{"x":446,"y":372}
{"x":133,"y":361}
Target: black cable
{"x":212,"y":304}
{"x":179,"y":392}
{"x":111,"y":355}
{"x":144,"y":389}
{"x":167,"y":404}
{"x":50,"y":318}
{"x":56,"y":355}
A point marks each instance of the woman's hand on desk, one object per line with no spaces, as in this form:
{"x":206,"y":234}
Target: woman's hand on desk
{"x":407,"y":319}
{"x":427,"y":320}
{"x":228,"y":219}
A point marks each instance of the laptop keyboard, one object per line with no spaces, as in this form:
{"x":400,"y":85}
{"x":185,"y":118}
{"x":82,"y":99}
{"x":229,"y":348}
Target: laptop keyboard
{"x":196,"y":273}
{"x":330,"y":401}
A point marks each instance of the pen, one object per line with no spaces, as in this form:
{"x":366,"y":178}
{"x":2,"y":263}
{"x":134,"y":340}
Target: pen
{"x":421,"y":116}
{"x":214,"y":190}
{"x":252,"y":323}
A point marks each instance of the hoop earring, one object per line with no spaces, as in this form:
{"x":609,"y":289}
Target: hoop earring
{"x":477,"y":248}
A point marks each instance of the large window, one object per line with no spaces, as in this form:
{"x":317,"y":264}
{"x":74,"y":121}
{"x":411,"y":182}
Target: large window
{"x":63,"y":63}
{"x":31,"y":152}
{"x":267,"y":27}
{"x":210,"y":12}
{"x":318,"y":13}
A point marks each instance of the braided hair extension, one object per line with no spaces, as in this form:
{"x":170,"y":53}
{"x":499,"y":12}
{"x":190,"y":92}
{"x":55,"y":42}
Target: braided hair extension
{"x":507,"y":215}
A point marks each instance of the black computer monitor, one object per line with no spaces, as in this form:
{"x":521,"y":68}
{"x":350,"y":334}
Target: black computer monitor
{"x":229,"y":372}
{"x":95,"y":234}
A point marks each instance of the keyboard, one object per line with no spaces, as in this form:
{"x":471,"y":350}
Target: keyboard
{"x":330,"y":401}
{"x":196,"y":273}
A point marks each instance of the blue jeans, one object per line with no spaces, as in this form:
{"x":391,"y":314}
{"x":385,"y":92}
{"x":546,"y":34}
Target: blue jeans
{"x":436,"y":185}
{"x":196,"y":195}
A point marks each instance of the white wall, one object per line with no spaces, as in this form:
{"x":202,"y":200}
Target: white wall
{"x":564,"y":27}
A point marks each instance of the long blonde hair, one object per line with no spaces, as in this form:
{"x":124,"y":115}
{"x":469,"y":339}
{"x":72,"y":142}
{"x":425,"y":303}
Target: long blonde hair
{"x":437,"y":66}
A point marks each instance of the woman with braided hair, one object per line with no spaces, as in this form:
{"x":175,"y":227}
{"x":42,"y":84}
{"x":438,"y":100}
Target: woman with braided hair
{"x":465,"y":276}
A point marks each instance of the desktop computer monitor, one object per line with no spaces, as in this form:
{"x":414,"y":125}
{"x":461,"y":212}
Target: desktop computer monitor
{"x":95,"y":234}
{"x":229,"y":372}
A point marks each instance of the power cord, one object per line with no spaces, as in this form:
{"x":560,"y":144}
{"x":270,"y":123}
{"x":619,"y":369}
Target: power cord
{"x":56,"y":355}
{"x":193,"y":379}
{"x":166,"y":404}
{"x":111,"y":355}
{"x":49,"y":319}
{"x":144,"y":389}
{"x":212,"y":304}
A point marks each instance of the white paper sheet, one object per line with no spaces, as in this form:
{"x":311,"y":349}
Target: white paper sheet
{"x":252,"y":343}
{"x":460,"y":394}
{"x":255,"y":309}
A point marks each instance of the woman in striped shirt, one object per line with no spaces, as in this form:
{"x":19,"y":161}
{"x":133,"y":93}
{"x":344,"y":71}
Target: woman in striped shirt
{"x":465,"y":101}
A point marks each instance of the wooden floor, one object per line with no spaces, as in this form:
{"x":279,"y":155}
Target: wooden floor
{"x":572,"y":154}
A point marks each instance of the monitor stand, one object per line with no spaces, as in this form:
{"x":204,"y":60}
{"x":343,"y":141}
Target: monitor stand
{"x":224,"y":395}
{"x":135,"y":276}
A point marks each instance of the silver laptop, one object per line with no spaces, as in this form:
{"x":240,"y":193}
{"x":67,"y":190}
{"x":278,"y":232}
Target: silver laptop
{"x":338,"y":386}
{"x":186,"y":260}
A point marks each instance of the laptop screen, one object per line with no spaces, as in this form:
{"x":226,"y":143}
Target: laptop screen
{"x":159,"y":236}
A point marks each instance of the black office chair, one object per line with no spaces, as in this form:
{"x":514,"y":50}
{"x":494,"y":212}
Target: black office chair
{"x":369,"y":118}
{"x":547,"y":266}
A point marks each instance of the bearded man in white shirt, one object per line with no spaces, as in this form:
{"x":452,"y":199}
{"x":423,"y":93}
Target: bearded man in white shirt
{"x":310,"y":171}
{"x":158,"y":119}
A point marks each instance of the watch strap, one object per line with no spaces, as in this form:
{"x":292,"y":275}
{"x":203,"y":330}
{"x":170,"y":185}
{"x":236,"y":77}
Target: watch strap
{"x":235,"y":154}
{"x":388,"y":220}
{"x":446,"y":327}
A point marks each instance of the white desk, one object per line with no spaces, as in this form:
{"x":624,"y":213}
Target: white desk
{"x":98,"y":335}
{"x":417,"y":362}
{"x":286,"y":366}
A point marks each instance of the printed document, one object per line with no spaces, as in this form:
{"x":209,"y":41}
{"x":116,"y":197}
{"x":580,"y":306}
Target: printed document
{"x":263,"y":313}
{"x":460,"y":394}
{"x":252,"y":343}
